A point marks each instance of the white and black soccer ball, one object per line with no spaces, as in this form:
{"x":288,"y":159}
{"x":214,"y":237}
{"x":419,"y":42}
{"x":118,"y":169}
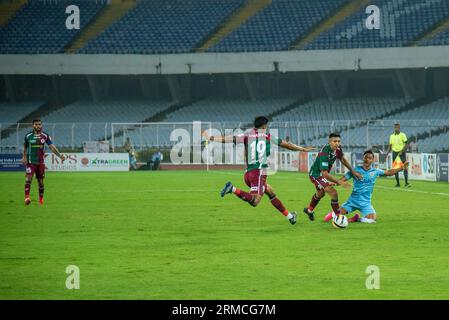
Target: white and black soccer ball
{"x":340,"y":221}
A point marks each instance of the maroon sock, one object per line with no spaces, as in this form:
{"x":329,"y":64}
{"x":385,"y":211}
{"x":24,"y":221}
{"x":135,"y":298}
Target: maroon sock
{"x":27,"y":189}
{"x":314,"y":202}
{"x":245,"y":196}
{"x":41,"y":191}
{"x":278,"y":205}
{"x":335,"y":206}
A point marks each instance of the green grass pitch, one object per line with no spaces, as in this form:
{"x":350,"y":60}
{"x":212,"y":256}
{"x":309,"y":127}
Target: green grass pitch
{"x":169,"y":235}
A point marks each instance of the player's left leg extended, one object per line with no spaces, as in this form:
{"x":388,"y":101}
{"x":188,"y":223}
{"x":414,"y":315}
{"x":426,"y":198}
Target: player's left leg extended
{"x":291,"y":216}
{"x":40,"y":175}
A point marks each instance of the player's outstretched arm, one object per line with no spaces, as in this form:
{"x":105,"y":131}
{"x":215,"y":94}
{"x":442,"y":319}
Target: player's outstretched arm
{"x":346,"y":163}
{"x":294,"y":147}
{"x":340,"y":182}
{"x":392,"y":172}
{"x":56,"y":152}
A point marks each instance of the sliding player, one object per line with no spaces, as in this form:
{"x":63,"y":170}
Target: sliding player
{"x":362,"y":192}
{"x":257,"y":142}
{"x":323,"y":180}
{"x":33,"y":158}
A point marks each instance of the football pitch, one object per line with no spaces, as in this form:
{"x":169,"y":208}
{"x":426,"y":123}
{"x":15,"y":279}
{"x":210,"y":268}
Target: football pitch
{"x":169,"y":235}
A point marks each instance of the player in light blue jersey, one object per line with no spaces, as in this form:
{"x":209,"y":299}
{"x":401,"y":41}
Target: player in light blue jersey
{"x":362,"y":191}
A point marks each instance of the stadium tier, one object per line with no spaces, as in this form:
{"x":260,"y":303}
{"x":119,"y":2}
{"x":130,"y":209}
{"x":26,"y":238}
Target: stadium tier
{"x":162,"y":26}
{"x":338,"y":111}
{"x":39,"y":26}
{"x":378,"y":132}
{"x":88,"y":121}
{"x":176,"y":26}
{"x":14,"y":112}
{"x":407,"y":20}
{"x":277,"y":26}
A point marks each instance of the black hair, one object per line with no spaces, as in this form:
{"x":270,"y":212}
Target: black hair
{"x":334,"y":135}
{"x":260,"y":121}
{"x":37,"y":120}
{"x":368,"y":152}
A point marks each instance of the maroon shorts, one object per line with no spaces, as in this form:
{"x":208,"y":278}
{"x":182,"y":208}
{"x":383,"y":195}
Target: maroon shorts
{"x":38,"y":169}
{"x":320,"y":182}
{"x":257,"y":180}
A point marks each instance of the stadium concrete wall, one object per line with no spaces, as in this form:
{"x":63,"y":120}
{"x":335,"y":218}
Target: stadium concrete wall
{"x":203,"y":63}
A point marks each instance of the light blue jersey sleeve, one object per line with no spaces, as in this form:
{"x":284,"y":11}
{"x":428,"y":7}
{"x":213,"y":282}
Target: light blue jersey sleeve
{"x":380,"y":172}
{"x":348,"y":175}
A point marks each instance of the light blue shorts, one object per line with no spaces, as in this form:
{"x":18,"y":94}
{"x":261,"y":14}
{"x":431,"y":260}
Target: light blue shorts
{"x":364,"y":208}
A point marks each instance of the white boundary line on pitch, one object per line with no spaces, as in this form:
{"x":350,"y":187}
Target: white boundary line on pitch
{"x":414,"y":191}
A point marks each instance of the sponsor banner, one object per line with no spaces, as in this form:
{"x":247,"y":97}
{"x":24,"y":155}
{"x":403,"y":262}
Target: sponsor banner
{"x":443,"y":167}
{"x":311,"y":159}
{"x":429,"y":164}
{"x":96,"y":147}
{"x":11,"y":162}
{"x":289,"y":161}
{"x":422,"y":166}
{"x":303,"y":161}
{"x":88,"y":162}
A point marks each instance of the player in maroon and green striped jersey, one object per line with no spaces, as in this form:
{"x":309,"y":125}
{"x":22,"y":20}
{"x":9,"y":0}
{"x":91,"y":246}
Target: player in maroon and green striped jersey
{"x":320,"y":176}
{"x":33,"y":158}
{"x":257,"y":142}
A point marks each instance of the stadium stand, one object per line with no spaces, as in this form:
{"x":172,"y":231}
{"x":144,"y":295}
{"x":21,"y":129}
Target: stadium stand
{"x":378,"y":133}
{"x":92,"y":120}
{"x":338,"y":111}
{"x":440,"y":39}
{"x":408,"y":20}
{"x":41,"y":29}
{"x":216,"y":110}
{"x":14,"y":112}
{"x":161,"y":26}
{"x":277,"y":26}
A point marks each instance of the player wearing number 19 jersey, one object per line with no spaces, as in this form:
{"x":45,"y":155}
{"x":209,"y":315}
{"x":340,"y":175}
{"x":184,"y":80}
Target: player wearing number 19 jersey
{"x":33,"y":158}
{"x":258,"y":142}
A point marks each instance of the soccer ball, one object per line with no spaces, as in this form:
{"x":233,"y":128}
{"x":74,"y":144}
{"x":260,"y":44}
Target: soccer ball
{"x":340,"y":221}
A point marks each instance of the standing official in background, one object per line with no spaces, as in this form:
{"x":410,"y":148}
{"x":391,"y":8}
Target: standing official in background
{"x":399,"y":144}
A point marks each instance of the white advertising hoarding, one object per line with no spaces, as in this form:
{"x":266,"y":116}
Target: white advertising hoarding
{"x":88,"y":162}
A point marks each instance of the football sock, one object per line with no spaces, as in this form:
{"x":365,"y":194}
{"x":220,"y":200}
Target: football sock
{"x":396,"y":175}
{"x":41,"y":191}
{"x":335,"y":206}
{"x":278,"y":205}
{"x":366,"y":220}
{"x":27,"y":189}
{"x":313,"y":203}
{"x":245,"y":196}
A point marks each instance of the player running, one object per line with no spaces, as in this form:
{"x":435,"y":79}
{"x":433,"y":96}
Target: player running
{"x":257,"y":142}
{"x":362,"y":192}
{"x":33,"y":158}
{"x":324,"y":182}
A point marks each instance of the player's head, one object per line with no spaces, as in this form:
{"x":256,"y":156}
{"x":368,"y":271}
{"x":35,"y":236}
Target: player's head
{"x":334,"y":141}
{"x":37,"y":125}
{"x":397,"y":127}
{"x":368,"y":157}
{"x":261,"y":122}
